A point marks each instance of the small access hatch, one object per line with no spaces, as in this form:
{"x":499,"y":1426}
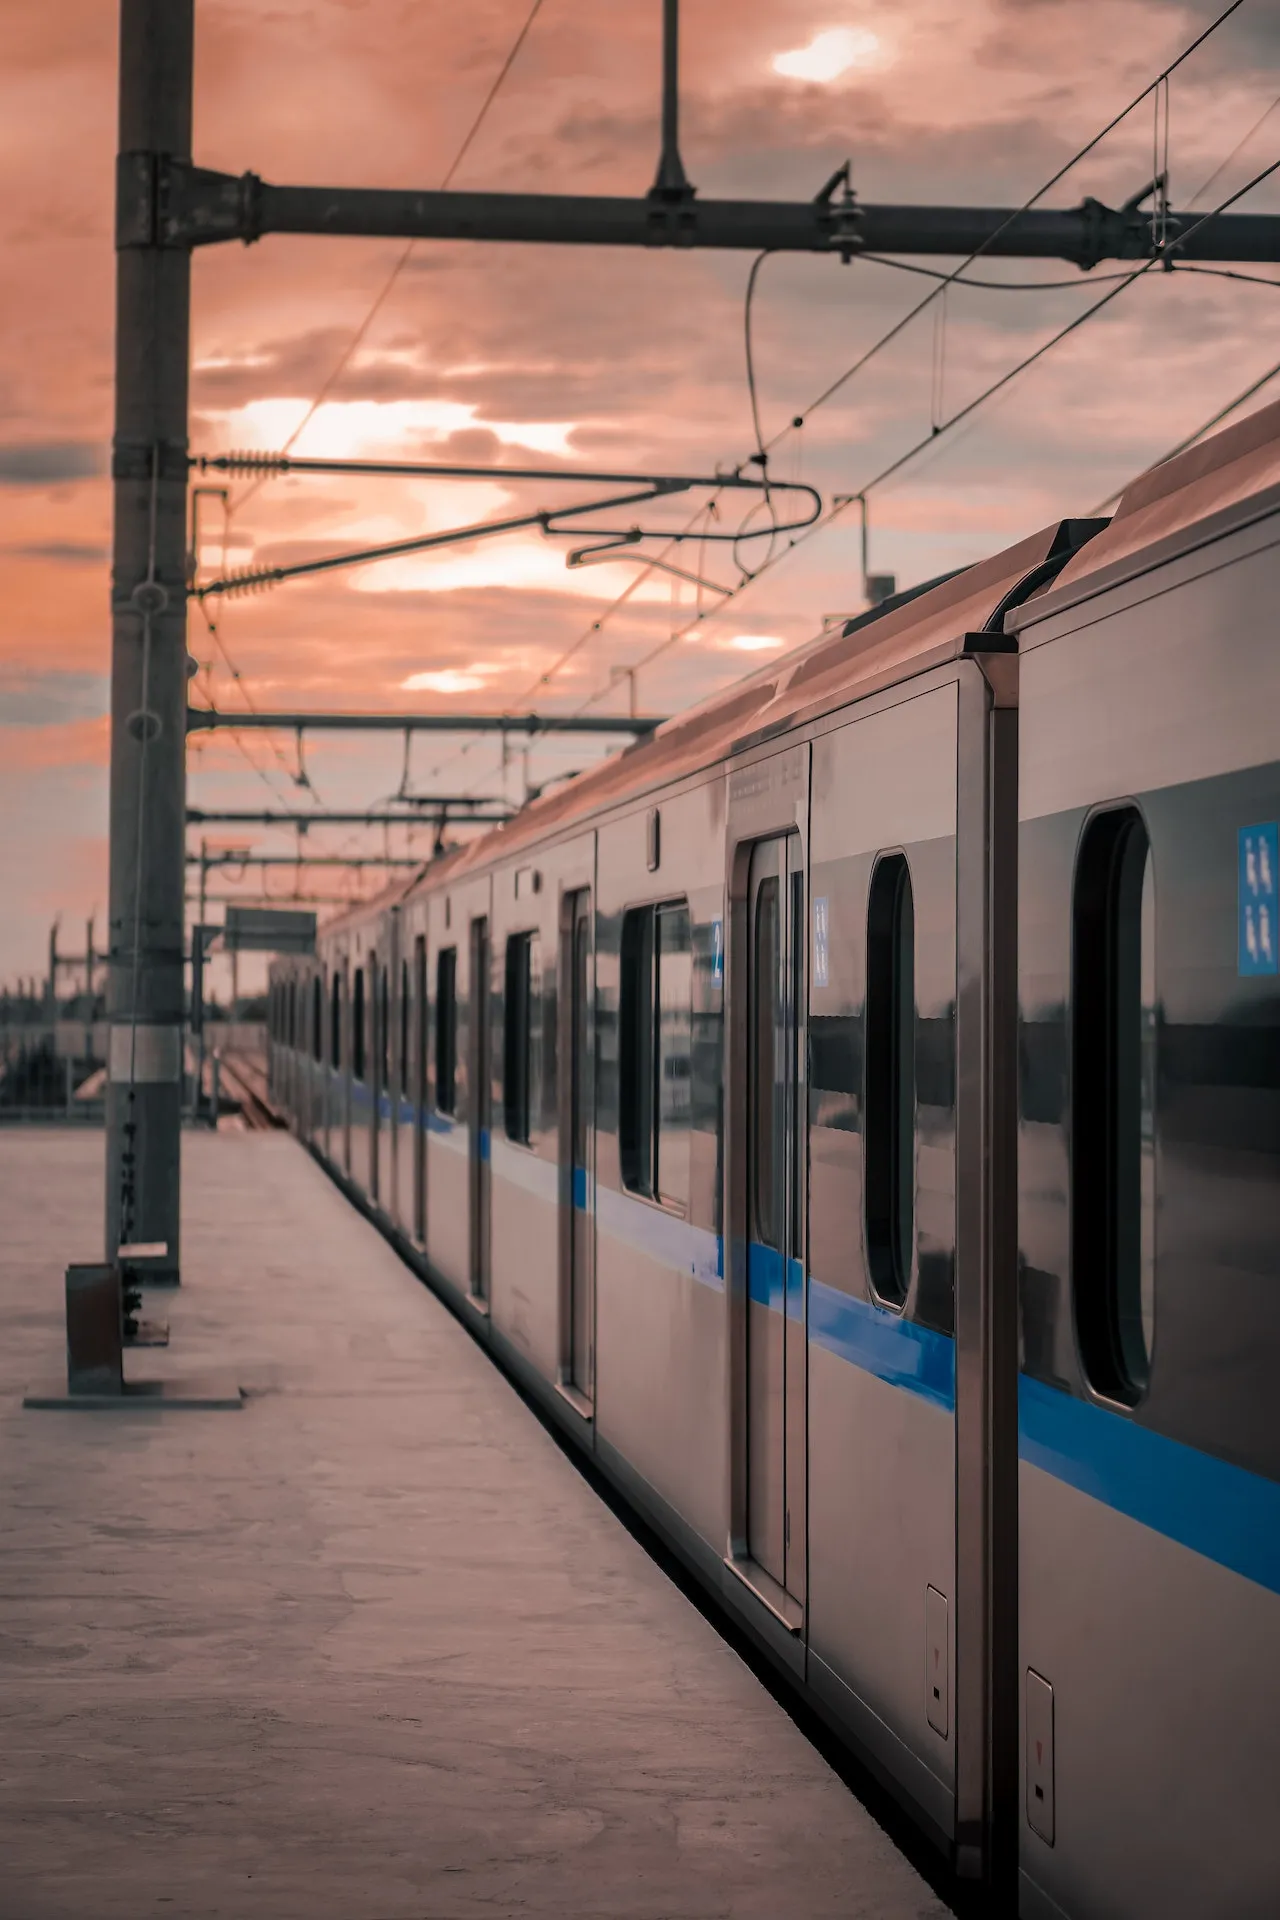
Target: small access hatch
{"x":936,"y":1676}
{"x":1039,"y":1756}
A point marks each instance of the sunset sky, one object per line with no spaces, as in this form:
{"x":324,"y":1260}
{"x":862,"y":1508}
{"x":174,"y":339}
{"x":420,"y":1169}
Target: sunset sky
{"x":548,"y":356}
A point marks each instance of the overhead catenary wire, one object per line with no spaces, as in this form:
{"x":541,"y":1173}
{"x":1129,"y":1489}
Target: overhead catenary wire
{"x":1238,"y":148}
{"x":1207,"y":426}
{"x":375,"y":307}
{"x":941,"y":282}
{"x":948,"y":279}
{"x":843,"y":501}
{"x":383,"y":294}
{"x":238,"y":679}
{"x":1118,"y":284}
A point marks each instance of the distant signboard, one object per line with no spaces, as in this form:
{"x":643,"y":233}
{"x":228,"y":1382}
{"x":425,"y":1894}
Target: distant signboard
{"x":268,"y":930}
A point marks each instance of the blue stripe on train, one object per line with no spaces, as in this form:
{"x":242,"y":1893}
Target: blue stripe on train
{"x":770,"y":1287}
{"x":898,"y":1351}
{"x":1213,"y":1508}
{"x":1219,"y":1510}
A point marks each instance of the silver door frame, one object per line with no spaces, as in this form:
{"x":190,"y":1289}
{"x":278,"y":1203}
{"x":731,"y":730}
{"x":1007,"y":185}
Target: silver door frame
{"x":571,"y":898}
{"x":479,"y":1097}
{"x":986,"y":1279}
{"x":766,"y":799}
{"x":419,"y":1077}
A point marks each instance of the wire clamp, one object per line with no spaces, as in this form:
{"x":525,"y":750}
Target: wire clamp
{"x":149,"y":599}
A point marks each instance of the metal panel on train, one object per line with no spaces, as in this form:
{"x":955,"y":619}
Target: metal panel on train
{"x":1149,"y":1224}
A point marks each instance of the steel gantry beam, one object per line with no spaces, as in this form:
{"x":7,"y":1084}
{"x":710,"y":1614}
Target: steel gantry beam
{"x":172,"y":204}
{"x":455,"y":812}
{"x":279,"y":900}
{"x":229,"y":858}
{"x":200,"y":719}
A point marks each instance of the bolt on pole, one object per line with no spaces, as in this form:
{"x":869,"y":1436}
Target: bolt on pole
{"x":148,"y":656}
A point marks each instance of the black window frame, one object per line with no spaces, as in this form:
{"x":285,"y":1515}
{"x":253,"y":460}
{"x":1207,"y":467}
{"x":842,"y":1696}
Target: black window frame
{"x":889,"y":1091}
{"x":641,"y":1050}
{"x":446,"y":1062}
{"x":1113,"y":1096}
{"x":317,"y":1019}
{"x":382,"y":974}
{"x":335,"y":1020}
{"x":402,"y":1048}
{"x":420,"y":1025}
{"x":519,"y":1020}
{"x":358,"y":1036}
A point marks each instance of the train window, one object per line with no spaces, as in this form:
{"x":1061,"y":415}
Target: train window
{"x":890,"y":1102}
{"x":519,"y":1038}
{"x":317,"y":1019}
{"x":402,"y":1066}
{"x":335,"y":1022}
{"x":654,"y":1054}
{"x":766,"y":1226}
{"x":383,"y":977}
{"x":420,"y":1019}
{"x":357,"y":1025}
{"x":799,"y":1098}
{"x":1113,"y":1102}
{"x":447,"y":1030}
{"x":673,"y":1001}
{"x":635,"y":1052}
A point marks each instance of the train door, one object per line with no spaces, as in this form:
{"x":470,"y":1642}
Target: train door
{"x":578,"y":1126}
{"x":776,"y":1188}
{"x":480,"y":1094}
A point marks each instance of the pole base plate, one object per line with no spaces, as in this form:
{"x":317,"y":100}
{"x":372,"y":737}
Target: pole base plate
{"x":206,"y":1393}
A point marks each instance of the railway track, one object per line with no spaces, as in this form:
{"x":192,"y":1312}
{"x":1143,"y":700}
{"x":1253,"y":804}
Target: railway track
{"x":244,"y":1080}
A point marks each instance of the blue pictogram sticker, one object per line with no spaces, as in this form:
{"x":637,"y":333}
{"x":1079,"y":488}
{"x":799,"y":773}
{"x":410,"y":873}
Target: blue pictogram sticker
{"x":820,"y":941}
{"x":717,"y":953}
{"x":1259,"y":951}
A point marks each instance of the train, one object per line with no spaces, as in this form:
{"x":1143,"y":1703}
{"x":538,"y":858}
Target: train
{"x":852,"y":1113}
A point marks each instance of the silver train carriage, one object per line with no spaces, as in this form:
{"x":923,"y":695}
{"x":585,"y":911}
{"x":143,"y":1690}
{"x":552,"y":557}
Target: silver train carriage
{"x":854,"y":1113}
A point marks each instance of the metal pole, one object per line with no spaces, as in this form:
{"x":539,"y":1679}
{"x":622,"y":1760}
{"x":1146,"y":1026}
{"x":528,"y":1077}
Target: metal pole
{"x":149,"y":655}
{"x":672,"y":182}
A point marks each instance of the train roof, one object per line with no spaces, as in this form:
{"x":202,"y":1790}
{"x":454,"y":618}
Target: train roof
{"x":915,"y":630}
{"x":908,"y":634}
{"x":1168,"y":500}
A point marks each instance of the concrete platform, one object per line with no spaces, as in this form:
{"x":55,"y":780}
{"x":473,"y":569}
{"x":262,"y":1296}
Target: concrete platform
{"x":371,"y":1649}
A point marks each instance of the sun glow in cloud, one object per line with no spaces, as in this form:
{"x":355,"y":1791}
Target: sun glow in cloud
{"x":352,"y":429}
{"x":447,"y":680}
{"x":755,"y":642}
{"x":530,"y":564}
{"x":830,"y":54}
